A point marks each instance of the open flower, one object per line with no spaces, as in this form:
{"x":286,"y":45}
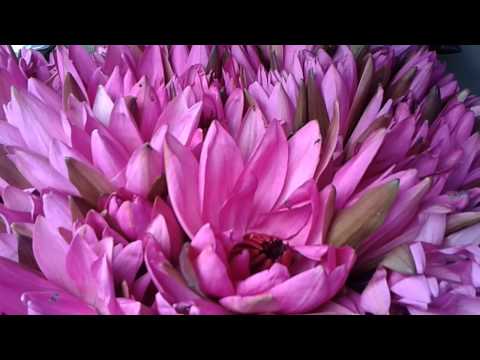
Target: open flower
{"x":237,"y":179}
{"x":253,"y":246}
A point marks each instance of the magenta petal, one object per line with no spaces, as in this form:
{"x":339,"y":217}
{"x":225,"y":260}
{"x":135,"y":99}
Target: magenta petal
{"x":82,"y":61}
{"x":10,"y":135}
{"x":376,"y":296}
{"x":263,"y":281}
{"x":212,"y":274}
{"x":269,"y":164}
{"x":78,"y":262}
{"x":220,"y":155}
{"x":283,"y":224}
{"x":369,"y":115}
{"x":182,"y":181}
{"x":198,"y":55}
{"x":151,"y":65}
{"x":163,"y":306}
{"x":174,"y":230}
{"x":45,"y":93}
{"x":37,"y":170}
{"x":55,"y":302}
{"x":234,"y":112}
{"x":252,"y":132}
{"x":413,"y":289}
{"x":107,"y":155}
{"x":182,"y":117}
{"x":312,"y":252}
{"x":280,"y":108}
{"x":143,"y":169}
{"x":57,"y":210}
{"x":303,"y":156}
{"x":9,"y":247}
{"x":123,"y":126}
{"x":16,"y":280}
{"x":168,"y":281}
{"x":255,"y":304}
{"x":37,"y":123}
{"x":237,"y":211}
{"x":128,"y":262}
{"x":179,"y":54}
{"x":303,"y":292}
{"x":50,"y":251}
{"x":349,"y":175}
{"x":18,"y":200}
{"x":159,"y":231}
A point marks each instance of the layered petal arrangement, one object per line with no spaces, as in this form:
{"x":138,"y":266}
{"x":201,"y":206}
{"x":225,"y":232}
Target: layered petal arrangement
{"x":242,"y":179}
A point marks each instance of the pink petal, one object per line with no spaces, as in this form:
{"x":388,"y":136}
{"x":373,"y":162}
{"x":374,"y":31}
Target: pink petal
{"x":182,"y":180}
{"x":234,"y":112}
{"x":37,"y":123}
{"x":15,"y":280}
{"x":263,"y":281}
{"x":9,"y":247}
{"x":376,"y":296}
{"x":212,"y":274}
{"x":123,"y":127}
{"x":237,"y":211}
{"x":349,"y":175}
{"x":50,"y":251}
{"x":280,"y":108}
{"x":55,"y":303}
{"x":220,"y":155}
{"x":143,"y":169}
{"x":37,"y":170}
{"x":413,"y":288}
{"x":256,"y":304}
{"x":282,"y":224}
{"x":127,"y":263}
{"x":303,"y":156}
{"x":83,"y":62}
{"x":252,"y":132}
{"x":159,"y":230}
{"x":269,"y":164}
{"x":10,"y":136}
{"x":151,"y":65}
{"x":18,"y":200}
{"x":168,"y":281}
{"x":103,"y":106}
{"x":107,"y":154}
{"x":57,"y":210}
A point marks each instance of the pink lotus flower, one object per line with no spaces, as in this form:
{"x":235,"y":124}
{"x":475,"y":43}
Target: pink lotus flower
{"x":237,"y":179}
{"x":253,"y":243}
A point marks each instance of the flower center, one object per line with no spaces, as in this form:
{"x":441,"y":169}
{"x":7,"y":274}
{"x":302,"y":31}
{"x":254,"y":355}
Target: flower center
{"x":264,"y":250}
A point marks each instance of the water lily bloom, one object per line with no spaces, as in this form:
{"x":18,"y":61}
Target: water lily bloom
{"x":254,"y":245}
{"x":237,"y":179}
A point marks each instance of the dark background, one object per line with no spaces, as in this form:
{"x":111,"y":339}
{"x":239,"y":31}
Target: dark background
{"x":466,"y":66}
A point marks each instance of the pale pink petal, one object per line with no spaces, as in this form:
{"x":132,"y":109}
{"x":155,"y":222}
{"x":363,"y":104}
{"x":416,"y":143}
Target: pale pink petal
{"x":143,"y":169}
{"x":376,"y":296}
{"x":50,"y":251}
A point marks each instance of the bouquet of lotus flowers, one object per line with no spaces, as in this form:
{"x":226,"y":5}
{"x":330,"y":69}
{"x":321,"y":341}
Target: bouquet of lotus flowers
{"x":183,"y":180}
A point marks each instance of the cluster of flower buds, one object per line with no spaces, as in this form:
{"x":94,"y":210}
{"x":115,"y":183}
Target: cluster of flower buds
{"x":237,"y":179}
